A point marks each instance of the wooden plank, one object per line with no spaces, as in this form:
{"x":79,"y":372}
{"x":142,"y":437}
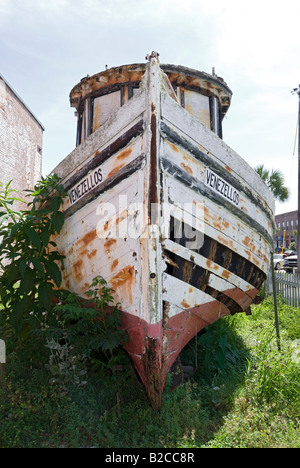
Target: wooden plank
{"x":207,"y":264}
{"x":216,"y":149}
{"x":218,"y":224}
{"x":201,"y":172}
{"x":181,"y":294}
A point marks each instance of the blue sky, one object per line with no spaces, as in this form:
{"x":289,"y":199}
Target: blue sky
{"x":47,"y":46}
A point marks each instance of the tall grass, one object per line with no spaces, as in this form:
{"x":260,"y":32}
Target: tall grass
{"x":243,"y":393}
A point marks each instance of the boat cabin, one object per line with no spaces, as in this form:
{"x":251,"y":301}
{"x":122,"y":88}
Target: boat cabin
{"x":96,"y":98}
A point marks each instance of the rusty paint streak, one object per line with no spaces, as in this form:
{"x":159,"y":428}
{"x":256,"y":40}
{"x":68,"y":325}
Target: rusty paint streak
{"x":185,"y":305}
{"x":109,"y":243}
{"x":122,"y":216}
{"x":125,"y":154}
{"x":124,"y":276}
{"x":115,"y":170}
{"x":78,"y":270}
{"x":92,"y":254}
{"x":186,"y":168}
{"x":226,"y":274}
{"x":88,"y":238}
{"x":114,"y":264}
{"x":249,"y":243}
{"x":174,"y":148}
{"x":226,"y":242}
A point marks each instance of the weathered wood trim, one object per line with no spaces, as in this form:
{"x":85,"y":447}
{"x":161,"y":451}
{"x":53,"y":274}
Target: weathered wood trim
{"x":106,"y":153}
{"x":209,"y":162}
{"x":199,"y":187}
{"x":197,"y":134}
{"x":128,"y":170}
{"x":209,"y":265}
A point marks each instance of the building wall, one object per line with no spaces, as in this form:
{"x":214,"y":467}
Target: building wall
{"x":21,"y":141}
{"x":287,"y":222}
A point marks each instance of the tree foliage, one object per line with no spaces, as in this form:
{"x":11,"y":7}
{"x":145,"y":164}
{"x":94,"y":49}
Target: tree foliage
{"x":31,"y":266}
{"x":275,"y":181}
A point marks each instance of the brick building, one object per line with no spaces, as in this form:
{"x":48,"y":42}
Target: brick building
{"x":21,"y":140}
{"x":287,"y":222}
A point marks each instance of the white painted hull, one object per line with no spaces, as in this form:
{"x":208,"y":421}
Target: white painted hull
{"x":149,"y":172}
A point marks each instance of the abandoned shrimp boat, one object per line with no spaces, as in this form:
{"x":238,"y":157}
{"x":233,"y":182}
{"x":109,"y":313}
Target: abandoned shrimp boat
{"x":176,"y":222}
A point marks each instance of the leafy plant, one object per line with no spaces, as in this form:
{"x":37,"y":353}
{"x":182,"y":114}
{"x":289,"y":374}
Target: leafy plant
{"x":31,"y":267}
{"x":219,"y":346}
{"x":77,"y":330}
{"x":55,"y":326}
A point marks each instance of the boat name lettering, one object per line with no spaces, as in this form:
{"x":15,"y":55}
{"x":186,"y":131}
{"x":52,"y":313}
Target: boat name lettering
{"x":221,"y":187}
{"x":86,"y":185}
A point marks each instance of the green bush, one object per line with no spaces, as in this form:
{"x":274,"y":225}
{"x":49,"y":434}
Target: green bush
{"x":31,"y":267}
{"x":40,"y":322}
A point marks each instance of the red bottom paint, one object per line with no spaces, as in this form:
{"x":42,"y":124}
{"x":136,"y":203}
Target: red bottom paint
{"x":154,"y":347}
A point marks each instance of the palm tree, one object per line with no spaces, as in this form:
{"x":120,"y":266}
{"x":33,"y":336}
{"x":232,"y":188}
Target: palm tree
{"x":275,"y":181}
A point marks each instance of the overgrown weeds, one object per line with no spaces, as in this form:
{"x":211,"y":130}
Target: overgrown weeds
{"x":250,"y":398}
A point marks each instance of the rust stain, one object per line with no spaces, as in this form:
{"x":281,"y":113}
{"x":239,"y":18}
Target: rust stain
{"x":217,"y":225}
{"x":249,"y":243}
{"x":226,"y":242}
{"x":125,"y":154}
{"x":115,"y":170}
{"x":174,"y":148}
{"x":114,"y":264}
{"x":124,"y":277}
{"x":122,"y":216}
{"x":186,"y":168}
{"x":109,"y":243}
{"x":228,"y":169}
{"x":78,"y":270}
{"x":226,"y":274}
{"x":88,"y":238}
{"x":92,"y":254}
{"x":185,"y":305}
{"x":246,"y":241}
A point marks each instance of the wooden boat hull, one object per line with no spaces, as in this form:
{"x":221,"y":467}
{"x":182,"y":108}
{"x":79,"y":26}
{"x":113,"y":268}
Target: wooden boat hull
{"x":175,"y":221}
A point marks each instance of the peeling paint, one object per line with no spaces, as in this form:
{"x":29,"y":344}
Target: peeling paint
{"x":167,"y":289}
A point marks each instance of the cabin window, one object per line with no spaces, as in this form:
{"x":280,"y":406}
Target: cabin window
{"x":197,"y":105}
{"x":104,"y":107}
{"x":132,"y":90}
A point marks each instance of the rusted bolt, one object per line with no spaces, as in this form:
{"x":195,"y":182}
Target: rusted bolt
{"x":152,"y":276}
